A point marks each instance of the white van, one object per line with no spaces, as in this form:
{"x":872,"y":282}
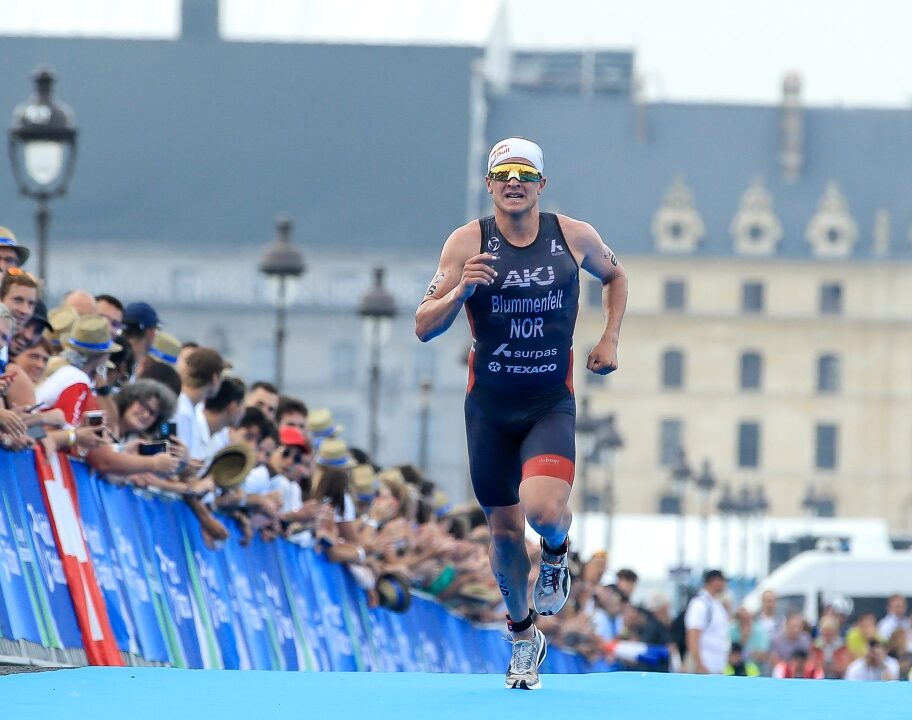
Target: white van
{"x":806,"y":582}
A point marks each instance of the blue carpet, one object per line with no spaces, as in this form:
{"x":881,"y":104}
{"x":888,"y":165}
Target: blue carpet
{"x":165,"y":694}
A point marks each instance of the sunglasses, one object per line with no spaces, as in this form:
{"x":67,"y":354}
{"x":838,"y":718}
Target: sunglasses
{"x":523,"y":173}
{"x":296,"y":455}
{"x":19,"y":272}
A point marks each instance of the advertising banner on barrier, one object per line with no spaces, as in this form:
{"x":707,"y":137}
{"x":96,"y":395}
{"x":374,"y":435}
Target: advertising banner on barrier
{"x":299,"y":603}
{"x":61,"y":500}
{"x":164,"y":532}
{"x":38,"y":550}
{"x":172,"y":599}
{"x":150,"y":616}
{"x":327,"y":588}
{"x":108,"y":570}
{"x":304,"y":607}
{"x":263,"y":654}
{"x":209,"y":582}
{"x":358,"y":622}
{"x":18,"y":605}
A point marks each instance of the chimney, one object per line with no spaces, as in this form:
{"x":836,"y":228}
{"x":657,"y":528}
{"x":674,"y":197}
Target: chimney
{"x":200,"y":20}
{"x":791,"y":139}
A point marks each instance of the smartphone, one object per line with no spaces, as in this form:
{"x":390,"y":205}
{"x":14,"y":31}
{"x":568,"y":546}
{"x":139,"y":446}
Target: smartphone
{"x":95,"y":418}
{"x":167,"y":429}
{"x":35,"y":432}
{"x":154,"y":447}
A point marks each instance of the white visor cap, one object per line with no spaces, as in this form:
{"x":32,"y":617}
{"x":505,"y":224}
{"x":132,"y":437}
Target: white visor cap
{"x":513,"y":148}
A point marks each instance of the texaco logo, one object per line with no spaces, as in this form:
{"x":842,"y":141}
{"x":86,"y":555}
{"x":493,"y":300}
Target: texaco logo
{"x":494,"y":366}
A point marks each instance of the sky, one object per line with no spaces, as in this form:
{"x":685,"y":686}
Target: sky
{"x":848,"y":52}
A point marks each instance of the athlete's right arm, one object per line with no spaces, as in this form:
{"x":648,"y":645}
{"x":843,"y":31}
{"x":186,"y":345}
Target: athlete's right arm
{"x":461,"y":270}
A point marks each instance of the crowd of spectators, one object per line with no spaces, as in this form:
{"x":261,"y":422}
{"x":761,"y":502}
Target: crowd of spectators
{"x":105,"y":382}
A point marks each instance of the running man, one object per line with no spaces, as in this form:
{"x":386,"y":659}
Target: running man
{"x":517,"y":274}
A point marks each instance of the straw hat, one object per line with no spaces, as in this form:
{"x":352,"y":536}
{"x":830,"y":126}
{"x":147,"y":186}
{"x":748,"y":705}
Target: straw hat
{"x":320,"y":425}
{"x":165,"y":348}
{"x":61,"y":319}
{"x":231,"y":465}
{"x":364,"y":483}
{"x":334,"y":453}
{"x":393,"y":591}
{"x":90,"y":335}
{"x":7,"y":239}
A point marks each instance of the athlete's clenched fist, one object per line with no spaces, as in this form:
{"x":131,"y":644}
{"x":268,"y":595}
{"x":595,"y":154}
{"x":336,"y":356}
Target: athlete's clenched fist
{"x":476,"y":271}
{"x":604,"y":358}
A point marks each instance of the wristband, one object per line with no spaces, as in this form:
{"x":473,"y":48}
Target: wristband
{"x":71,"y":437}
{"x":362,"y":556}
{"x":370,"y":522}
{"x":104,"y":391}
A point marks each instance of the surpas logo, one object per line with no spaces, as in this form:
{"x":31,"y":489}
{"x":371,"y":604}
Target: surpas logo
{"x":542,"y":276}
{"x":524,"y":354}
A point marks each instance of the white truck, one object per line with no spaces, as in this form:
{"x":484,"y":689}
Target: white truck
{"x":810,"y":580}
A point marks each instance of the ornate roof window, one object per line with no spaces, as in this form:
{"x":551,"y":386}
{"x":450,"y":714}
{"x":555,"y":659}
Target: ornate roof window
{"x":832,"y":231}
{"x":755,"y":228}
{"x":677,"y":226}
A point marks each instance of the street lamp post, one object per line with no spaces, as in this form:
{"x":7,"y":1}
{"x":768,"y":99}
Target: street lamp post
{"x":281,"y":263}
{"x":726,"y":507}
{"x":377,"y":309}
{"x":607,"y":445}
{"x":761,"y":506}
{"x":42,"y":150}
{"x":705,"y":483}
{"x":424,"y":424}
{"x":586,"y":427}
{"x":680,"y":475}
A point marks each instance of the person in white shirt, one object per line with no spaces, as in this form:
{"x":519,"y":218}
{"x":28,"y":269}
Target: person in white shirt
{"x":876,"y":665}
{"x":707,"y":626}
{"x":222,"y":412}
{"x":895,"y":619}
{"x":200,"y":381}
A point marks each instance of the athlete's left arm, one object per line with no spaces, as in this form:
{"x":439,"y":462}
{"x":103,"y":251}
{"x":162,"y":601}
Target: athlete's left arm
{"x":598,"y":259}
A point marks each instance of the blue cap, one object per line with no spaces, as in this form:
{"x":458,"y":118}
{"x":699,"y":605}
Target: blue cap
{"x":142,"y":315}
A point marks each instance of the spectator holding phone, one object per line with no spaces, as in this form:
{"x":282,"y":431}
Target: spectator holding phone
{"x":85,"y":354}
{"x":142,"y":407}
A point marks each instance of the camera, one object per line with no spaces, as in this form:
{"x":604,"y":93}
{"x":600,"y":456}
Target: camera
{"x":95,"y":418}
{"x":154,"y":447}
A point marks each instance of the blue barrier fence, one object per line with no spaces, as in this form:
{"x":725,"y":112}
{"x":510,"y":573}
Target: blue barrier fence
{"x":172,"y":600}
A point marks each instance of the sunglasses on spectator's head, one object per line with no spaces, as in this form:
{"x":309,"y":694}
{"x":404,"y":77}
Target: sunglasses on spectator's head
{"x":523,"y":173}
{"x":19,"y":272}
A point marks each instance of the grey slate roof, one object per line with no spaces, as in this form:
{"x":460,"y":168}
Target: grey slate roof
{"x":600,"y":173}
{"x":207,"y":141}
